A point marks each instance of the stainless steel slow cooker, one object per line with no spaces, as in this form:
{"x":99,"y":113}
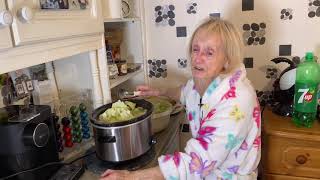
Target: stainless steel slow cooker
{"x":123,"y":141}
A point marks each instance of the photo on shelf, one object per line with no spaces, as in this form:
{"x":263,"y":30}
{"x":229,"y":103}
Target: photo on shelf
{"x":39,"y":72}
{"x":54,"y":4}
{"x":20,"y":80}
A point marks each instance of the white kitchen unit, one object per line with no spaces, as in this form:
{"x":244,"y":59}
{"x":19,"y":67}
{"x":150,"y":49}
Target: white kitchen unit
{"x":32,"y":23}
{"x":132,"y":47}
{"x":39,"y":35}
{"x":44,"y":35}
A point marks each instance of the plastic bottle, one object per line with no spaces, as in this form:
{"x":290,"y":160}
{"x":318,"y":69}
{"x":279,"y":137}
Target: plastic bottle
{"x":306,"y":89}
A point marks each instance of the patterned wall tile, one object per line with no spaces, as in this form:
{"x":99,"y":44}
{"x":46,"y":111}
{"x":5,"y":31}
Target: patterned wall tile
{"x":164,"y":15}
{"x":157,"y":68}
{"x":314,"y":8}
{"x":254,"y":33}
{"x":272,"y":73}
{"x":182,"y":63}
{"x":286,"y":14}
{"x":192,"y":8}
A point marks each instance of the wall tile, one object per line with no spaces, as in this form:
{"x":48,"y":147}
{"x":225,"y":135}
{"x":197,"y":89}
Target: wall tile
{"x":247,"y":5}
{"x":285,"y":50}
{"x":181,"y":31}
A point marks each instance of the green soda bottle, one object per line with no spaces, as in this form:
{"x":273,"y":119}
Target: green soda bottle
{"x":306,"y":90}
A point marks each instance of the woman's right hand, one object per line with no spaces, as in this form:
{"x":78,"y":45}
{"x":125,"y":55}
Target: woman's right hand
{"x":145,"y":90}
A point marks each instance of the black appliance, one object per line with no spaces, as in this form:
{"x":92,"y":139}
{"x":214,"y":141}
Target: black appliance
{"x":283,"y":92}
{"x":27,"y":140}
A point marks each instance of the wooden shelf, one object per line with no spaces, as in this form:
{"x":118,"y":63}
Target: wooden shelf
{"x":122,"y":20}
{"x":120,"y":79}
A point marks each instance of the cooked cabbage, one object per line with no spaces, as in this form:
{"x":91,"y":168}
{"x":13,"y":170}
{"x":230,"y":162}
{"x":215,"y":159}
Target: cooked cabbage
{"x":121,"y":111}
{"x":159,"y":105}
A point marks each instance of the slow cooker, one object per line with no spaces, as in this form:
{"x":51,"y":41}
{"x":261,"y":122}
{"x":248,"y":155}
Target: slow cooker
{"x":121,"y":141}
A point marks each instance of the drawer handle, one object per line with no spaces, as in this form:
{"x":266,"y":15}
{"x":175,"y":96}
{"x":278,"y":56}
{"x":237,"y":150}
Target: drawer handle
{"x":301,"y":159}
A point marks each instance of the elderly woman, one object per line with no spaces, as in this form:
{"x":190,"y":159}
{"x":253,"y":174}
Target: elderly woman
{"x":222,"y":109}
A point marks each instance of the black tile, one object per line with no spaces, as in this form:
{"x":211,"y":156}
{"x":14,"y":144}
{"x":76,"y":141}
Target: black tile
{"x":247,"y":5}
{"x":182,"y":31}
{"x":215,"y":15}
{"x":285,"y":50}
{"x":248,"y":62}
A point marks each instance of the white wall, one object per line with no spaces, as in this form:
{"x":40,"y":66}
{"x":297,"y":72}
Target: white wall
{"x":301,"y":32}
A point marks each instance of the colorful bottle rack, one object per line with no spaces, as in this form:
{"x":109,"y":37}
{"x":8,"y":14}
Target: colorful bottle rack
{"x":67,"y":135}
{"x":84,"y":121}
{"x":76,"y":126}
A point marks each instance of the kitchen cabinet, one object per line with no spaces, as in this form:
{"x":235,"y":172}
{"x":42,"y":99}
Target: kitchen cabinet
{"x":5,"y":22}
{"x":33,"y":24}
{"x":39,"y":35}
{"x":132,"y":47}
{"x":290,"y":152}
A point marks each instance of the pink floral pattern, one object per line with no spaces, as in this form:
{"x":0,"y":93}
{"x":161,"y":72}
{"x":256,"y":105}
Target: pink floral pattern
{"x":209,"y":115}
{"x":167,"y":157}
{"x":204,"y":133}
{"x":176,"y":157}
{"x":231,"y":93}
{"x":257,"y":142}
{"x":190,"y":117}
{"x":257,"y":115}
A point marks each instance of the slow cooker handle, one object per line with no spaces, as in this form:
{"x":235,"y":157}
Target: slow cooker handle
{"x":153,"y":141}
{"x":106,"y":139}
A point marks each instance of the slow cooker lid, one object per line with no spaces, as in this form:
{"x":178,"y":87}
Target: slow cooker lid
{"x":139,"y":103}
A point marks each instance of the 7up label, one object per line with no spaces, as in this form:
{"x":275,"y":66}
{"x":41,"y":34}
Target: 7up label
{"x":305,"y":97}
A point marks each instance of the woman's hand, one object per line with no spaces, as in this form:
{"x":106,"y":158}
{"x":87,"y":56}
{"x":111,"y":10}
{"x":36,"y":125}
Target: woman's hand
{"x":151,"y":173}
{"x":116,"y":175}
{"x":147,"y":91}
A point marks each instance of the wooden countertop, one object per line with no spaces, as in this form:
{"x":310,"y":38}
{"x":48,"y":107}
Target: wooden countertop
{"x":274,"y":124}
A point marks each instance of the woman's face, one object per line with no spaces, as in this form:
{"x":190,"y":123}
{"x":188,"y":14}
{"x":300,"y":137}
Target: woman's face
{"x":207,"y":56}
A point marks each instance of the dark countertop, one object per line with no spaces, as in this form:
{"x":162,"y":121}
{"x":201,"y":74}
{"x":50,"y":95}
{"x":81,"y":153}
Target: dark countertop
{"x":164,"y":139}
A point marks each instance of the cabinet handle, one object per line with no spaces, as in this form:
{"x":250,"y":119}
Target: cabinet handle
{"x":301,"y":159}
{"x":5,"y":18}
{"x":25,"y":14}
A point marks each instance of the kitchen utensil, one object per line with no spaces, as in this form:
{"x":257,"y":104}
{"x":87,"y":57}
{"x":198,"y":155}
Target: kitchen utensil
{"x":121,"y":141}
{"x":124,"y":94}
{"x":284,"y":88}
{"x":160,"y":118}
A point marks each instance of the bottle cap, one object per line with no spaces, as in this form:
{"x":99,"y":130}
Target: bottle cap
{"x":309,"y":56}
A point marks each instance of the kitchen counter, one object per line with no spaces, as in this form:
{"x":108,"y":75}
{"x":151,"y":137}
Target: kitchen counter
{"x":165,"y":140}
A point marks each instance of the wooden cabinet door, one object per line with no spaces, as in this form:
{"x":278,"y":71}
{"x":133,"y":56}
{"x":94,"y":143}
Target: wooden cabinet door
{"x":293,"y":157}
{"x":5,"y":36}
{"x":282,"y":177}
{"x":32,"y":23}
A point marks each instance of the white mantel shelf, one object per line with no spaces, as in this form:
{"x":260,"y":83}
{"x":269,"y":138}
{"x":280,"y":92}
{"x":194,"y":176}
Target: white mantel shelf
{"x":121,"y":20}
{"x":120,"y":79}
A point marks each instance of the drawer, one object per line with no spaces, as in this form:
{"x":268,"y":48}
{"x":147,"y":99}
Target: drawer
{"x":293,"y":157}
{"x":283,"y":177}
